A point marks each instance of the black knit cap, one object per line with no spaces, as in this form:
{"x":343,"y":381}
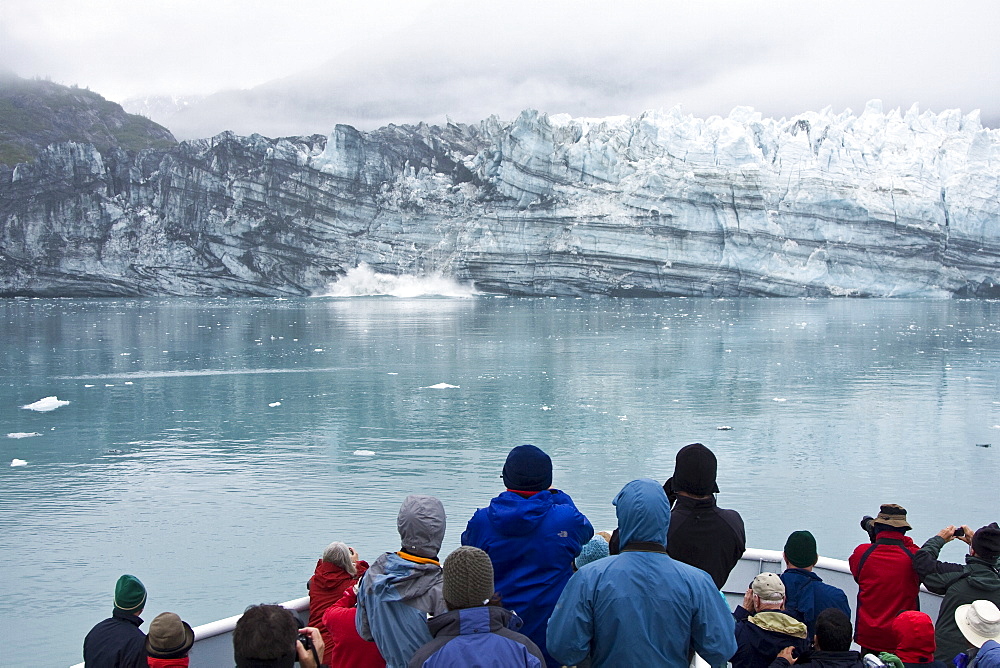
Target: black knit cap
{"x":695,"y":468}
{"x":468,"y":578}
{"x":527,"y":469}
{"x":986,"y":542}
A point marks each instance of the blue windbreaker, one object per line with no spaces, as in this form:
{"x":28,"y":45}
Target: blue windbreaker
{"x":532,"y":543}
{"x":806,"y":595}
{"x":485,"y":636}
{"x":641,"y":608}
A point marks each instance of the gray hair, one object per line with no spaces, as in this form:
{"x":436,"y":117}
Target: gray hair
{"x":339,"y":554}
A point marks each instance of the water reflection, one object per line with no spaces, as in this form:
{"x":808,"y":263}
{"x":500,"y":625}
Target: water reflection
{"x":210,"y":444}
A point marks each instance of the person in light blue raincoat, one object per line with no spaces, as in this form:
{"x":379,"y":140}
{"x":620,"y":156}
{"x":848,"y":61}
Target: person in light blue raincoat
{"x":640,"y":607}
{"x":401,"y":589}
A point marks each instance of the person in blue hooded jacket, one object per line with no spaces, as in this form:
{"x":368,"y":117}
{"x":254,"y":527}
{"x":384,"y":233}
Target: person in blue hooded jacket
{"x":532,"y":534}
{"x":641,"y":607}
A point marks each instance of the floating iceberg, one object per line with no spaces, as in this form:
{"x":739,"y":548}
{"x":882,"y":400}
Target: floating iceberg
{"x":441,"y":386}
{"x":364,"y":453}
{"x":22,"y":434}
{"x":18,"y":462}
{"x":46,"y":404}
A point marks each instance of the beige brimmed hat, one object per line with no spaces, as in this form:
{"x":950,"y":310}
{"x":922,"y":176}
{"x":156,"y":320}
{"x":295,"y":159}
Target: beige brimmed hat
{"x":979,"y":621}
{"x":893,"y":515}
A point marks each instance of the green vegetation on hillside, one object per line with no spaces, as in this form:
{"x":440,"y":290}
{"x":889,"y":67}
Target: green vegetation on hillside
{"x":35,"y":113}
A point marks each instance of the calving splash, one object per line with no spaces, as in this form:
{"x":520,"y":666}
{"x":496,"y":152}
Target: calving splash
{"x":362,"y":281}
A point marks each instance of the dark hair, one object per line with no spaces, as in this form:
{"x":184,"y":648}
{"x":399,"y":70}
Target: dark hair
{"x":265,"y":632}
{"x":833,"y":631}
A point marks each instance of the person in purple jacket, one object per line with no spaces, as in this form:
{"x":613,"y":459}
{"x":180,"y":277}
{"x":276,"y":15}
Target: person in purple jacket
{"x":532,"y":534}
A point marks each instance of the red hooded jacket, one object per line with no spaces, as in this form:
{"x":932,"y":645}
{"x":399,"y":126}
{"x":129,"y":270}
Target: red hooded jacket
{"x":914,"y":637}
{"x":887,"y":584}
{"x":326,"y":586}
{"x":345,"y":648}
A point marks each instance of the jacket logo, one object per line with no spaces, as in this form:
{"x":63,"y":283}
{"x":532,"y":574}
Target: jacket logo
{"x":563,"y":534}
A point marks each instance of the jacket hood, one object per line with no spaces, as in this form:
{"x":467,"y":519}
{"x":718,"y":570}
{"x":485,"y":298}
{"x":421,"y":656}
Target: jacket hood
{"x":328,"y":576}
{"x":771,"y":631}
{"x":982,"y":574}
{"x":481,"y":619}
{"x":643,"y":512}
{"x":914,"y":637}
{"x":393,"y":578}
{"x":779,"y":622}
{"x":421,"y":525}
{"x":989,"y":655}
{"x":513,"y":515}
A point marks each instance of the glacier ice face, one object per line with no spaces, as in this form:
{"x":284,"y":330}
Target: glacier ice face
{"x":876,"y":204}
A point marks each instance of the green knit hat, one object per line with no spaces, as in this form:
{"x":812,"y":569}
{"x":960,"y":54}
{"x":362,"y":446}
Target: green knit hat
{"x":130,"y":595}
{"x":800,"y":549}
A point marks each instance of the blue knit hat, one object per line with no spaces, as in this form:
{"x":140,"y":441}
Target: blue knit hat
{"x":527,"y":469}
{"x":594,"y":549}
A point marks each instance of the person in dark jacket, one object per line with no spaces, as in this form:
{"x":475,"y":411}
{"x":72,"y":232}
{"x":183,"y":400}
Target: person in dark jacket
{"x":117,"y":642}
{"x":978,"y":579}
{"x":806,"y":595}
{"x":701,"y":534}
{"x":338,"y":570}
{"x":267,"y":636}
{"x":169,"y":641}
{"x":831,"y":645}
{"x":474,"y":632}
{"x":532,"y":534}
{"x":914,"y":642}
{"x":887,"y":582}
{"x":763,"y":626}
{"x":640,"y":607}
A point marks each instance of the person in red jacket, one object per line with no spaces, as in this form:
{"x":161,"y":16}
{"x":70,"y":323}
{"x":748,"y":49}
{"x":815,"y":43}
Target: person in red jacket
{"x":345,"y":648}
{"x":887,"y":581}
{"x":337,"y":571}
{"x":168,"y":642}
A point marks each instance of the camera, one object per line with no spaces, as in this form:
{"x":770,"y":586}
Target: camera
{"x":868,"y":524}
{"x":306,"y":640}
{"x":959,"y":532}
{"x":873,"y":661}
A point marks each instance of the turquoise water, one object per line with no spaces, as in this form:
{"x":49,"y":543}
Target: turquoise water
{"x":213,"y":447}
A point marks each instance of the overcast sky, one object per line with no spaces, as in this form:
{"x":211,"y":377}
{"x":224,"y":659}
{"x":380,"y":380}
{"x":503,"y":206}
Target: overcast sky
{"x":385,"y":61}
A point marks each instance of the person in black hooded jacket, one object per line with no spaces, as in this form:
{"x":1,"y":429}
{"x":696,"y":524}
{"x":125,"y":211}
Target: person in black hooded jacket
{"x":701,"y":534}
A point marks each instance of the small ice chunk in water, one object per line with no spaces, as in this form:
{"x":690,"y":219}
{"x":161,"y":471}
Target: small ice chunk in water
{"x":22,"y":434}
{"x":546,"y":408}
{"x":724,"y":427}
{"x":18,"y":462}
{"x":441,"y":386}
{"x":273,"y":404}
{"x":88,"y":385}
{"x":46,"y":404}
{"x":129,"y":382}
{"x":364,"y":453}
{"x":317,"y":350}
{"x":780,"y":399}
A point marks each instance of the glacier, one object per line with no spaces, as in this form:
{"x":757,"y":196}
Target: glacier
{"x":876,"y":204}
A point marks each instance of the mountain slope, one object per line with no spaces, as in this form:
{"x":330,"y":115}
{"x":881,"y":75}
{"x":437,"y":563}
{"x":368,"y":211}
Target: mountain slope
{"x":34,"y":114}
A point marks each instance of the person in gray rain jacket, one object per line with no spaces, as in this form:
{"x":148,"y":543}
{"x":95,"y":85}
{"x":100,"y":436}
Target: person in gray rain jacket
{"x":402,"y":588}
